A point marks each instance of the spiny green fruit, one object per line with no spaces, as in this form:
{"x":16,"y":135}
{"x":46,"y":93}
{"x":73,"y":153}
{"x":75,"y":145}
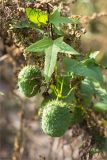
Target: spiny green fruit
{"x":29,"y":80}
{"x":56,"y":118}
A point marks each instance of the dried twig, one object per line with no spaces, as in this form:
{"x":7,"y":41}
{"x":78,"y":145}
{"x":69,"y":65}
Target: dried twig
{"x":51,"y":148}
{"x":2,"y":58}
{"x":63,"y":152}
{"x":88,"y":19}
{"x":18,"y":143}
{"x":2,"y":4}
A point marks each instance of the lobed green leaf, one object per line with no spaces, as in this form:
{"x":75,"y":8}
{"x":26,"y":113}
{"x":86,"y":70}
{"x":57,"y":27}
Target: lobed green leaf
{"x":101,"y":106}
{"x":40,"y":45}
{"x":78,"y":68}
{"x":56,"y":19}
{"x":50,"y":60}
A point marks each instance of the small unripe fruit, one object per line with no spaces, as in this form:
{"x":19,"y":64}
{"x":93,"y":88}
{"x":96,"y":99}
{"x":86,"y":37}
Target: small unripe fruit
{"x":29,"y":80}
{"x":56,"y":118}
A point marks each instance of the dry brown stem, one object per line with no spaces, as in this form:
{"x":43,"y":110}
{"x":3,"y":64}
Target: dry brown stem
{"x":18,"y":143}
{"x":88,"y":19}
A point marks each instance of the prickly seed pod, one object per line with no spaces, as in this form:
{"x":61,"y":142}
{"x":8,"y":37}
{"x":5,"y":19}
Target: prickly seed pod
{"x":56,"y":118}
{"x":29,"y":80}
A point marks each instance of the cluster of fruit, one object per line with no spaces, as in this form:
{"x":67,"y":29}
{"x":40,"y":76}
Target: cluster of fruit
{"x":57,"y":116}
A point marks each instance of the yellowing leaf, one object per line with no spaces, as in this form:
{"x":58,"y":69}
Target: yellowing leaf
{"x":37,"y":16}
